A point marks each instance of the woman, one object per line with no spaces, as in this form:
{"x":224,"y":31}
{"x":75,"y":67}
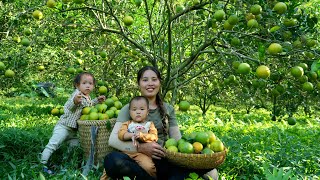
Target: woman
{"x":118,"y":164}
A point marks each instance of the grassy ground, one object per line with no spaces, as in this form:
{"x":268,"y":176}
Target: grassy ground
{"x":258,"y":147}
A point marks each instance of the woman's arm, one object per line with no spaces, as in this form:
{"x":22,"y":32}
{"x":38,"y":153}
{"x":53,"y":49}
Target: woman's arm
{"x":116,"y":143}
{"x":174,"y":132}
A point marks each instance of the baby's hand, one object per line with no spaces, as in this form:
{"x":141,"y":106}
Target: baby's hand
{"x":101,"y":98}
{"x":78,"y":98}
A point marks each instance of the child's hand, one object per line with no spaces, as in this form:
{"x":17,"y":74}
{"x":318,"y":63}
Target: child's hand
{"x":135,"y":141}
{"x":78,"y":98}
{"x":101,"y":98}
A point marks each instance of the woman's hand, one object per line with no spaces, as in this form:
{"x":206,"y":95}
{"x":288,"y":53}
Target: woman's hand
{"x":152,"y":149}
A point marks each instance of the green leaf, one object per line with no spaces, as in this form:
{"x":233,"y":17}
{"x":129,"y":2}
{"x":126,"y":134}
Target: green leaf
{"x":194,"y":175}
{"x":315,"y":66}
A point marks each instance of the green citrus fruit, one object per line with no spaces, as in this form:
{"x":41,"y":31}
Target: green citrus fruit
{"x":110,"y":113}
{"x":172,"y":149}
{"x":27,"y":31}
{"x":263,"y":72}
{"x":128,"y":20}
{"x":203,"y":138}
{"x":297,"y":71}
{"x":227,"y":26}
{"x":79,"y":53}
{"x":219,"y":15}
{"x":207,"y":150}
{"x":217,"y":146}
{"x":9,"y":73}
{"x":103,"y":54}
{"x":37,"y":14}
{"x":304,"y":66}
{"x":235,"y":41}
{"x":233,"y":19}
{"x":51,"y":3}
{"x":93,"y":116}
{"x":171,"y":142}
{"x":71,"y":70}
{"x":244,"y":68}
{"x":118,"y":104}
{"x":291,"y":121}
{"x":186,"y":147}
{"x":55,"y":111}
{"x":256,"y":9}
{"x":307,"y":86}
{"x":2,"y":66}
{"x":25,"y":42}
{"x":103,"y":90}
{"x":274,"y":48}
{"x":41,"y":68}
{"x":280,"y":7}
{"x":252,"y":23}
{"x":86,"y":110}
{"x":179,"y":8}
{"x":109,"y":102}
{"x":184,"y":106}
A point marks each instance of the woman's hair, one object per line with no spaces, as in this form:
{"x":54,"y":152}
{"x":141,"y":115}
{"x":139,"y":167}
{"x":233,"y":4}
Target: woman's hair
{"x":78,"y":77}
{"x":163,"y":111}
{"x":137,"y":98}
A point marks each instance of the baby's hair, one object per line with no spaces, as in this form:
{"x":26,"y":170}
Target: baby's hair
{"x":137,"y":98}
{"x":77,"y":79}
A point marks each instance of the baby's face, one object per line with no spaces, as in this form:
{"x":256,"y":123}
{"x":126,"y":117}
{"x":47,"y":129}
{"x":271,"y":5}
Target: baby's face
{"x":86,"y":84}
{"x":139,"y":110}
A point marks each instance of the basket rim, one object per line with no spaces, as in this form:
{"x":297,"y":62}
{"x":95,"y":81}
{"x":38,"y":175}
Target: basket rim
{"x":95,"y":121}
{"x":224,"y":153}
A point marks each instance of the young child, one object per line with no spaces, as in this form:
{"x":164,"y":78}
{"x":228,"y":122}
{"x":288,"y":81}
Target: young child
{"x":66,"y":128}
{"x":139,"y":130}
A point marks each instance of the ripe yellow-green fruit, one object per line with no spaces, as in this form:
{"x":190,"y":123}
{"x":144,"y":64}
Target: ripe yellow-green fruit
{"x":93,"y":116}
{"x":17,"y":39}
{"x":28,"y":49}
{"x":51,"y":3}
{"x":37,"y":14}
{"x":9,"y":73}
{"x":27,"y":31}
{"x":304,"y":66}
{"x":128,"y":20}
{"x":79,"y":53}
{"x":197,"y":147}
{"x":256,"y":9}
{"x":84,"y":117}
{"x":307,"y":86}
{"x":203,"y":138}
{"x":186,"y":147}
{"x":233,"y":19}
{"x":40,"y":68}
{"x":291,"y":120}
{"x":103,"y":90}
{"x":219,"y":15}
{"x":217,"y":146}
{"x":78,"y":1}
{"x":263,"y":72}
{"x":103,"y":54}
{"x":274,"y":48}
{"x":252,"y":23}
{"x":184,"y":106}
{"x":25,"y":42}
{"x":55,"y":111}
{"x":170,"y":142}
{"x":86,"y":110}
{"x":2,"y":66}
{"x":118,"y":104}
{"x":244,"y":68}
{"x":172,"y":149}
{"x":109,"y":102}
{"x":297,"y":71}
{"x":280,"y":7}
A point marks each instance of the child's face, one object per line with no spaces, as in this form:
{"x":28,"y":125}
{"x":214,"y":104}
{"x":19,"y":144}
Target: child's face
{"x":86,"y":84}
{"x":139,"y":110}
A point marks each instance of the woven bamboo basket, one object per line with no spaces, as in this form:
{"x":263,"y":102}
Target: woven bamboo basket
{"x":101,"y":145}
{"x":197,"y":161}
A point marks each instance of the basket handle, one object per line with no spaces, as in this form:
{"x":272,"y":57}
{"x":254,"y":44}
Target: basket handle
{"x":89,"y":164}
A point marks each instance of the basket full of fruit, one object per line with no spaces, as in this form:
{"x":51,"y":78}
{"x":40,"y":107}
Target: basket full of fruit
{"x":102,"y":117}
{"x":197,"y":150}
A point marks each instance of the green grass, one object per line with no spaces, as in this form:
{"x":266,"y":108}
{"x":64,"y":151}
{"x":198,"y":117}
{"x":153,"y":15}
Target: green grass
{"x":258,"y":147}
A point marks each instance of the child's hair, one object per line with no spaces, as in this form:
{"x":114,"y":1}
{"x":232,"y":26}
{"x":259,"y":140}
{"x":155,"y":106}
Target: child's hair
{"x":77,"y":79}
{"x":163,"y":112}
{"x":137,"y":98}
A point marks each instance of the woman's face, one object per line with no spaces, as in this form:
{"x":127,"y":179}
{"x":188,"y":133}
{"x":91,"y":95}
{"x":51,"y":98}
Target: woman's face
{"x":149,"y":84}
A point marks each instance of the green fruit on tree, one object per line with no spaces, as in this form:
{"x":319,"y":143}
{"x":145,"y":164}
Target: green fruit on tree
{"x":304,"y":66}
{"x":227,"y":26}
{"x":55,"y":112}
{"x":179,"y":8}
{"x":274,"y":48}
{"x":307,"y":86}
{"x":9,"y":73}
{"x":219,"y":15}
{"x":312,"y":75}
{"x":29,"y":49}
{"x":244,"y":68}
{"x":40,"y":68}
{"x":103,"y":54}
{"x":37,"y":14}
{"x":303,"y":79}
{"x":17,"y":39}
{"x":263,"y":72}
{"x":311,"y":42}
{"x":233,"y":19}
{"x":184,"y":106}
{"x":79,"y":53}
{"x":235,"y":41}
{"x":128,"y":20}
{"x":280,"y":7}
{"x":27,"y":31}
{"x":235,"y":64}
{"x":114,"y":98}
{"x":297,"y":71}
{"x":103,"y":90}
{"x":25,"y":42}
{"x":51,"y":3}
{"x":252,"y":23}
{"x":71,"y":70}
{"x":256,"y":9}
{"x":2,"y":66}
